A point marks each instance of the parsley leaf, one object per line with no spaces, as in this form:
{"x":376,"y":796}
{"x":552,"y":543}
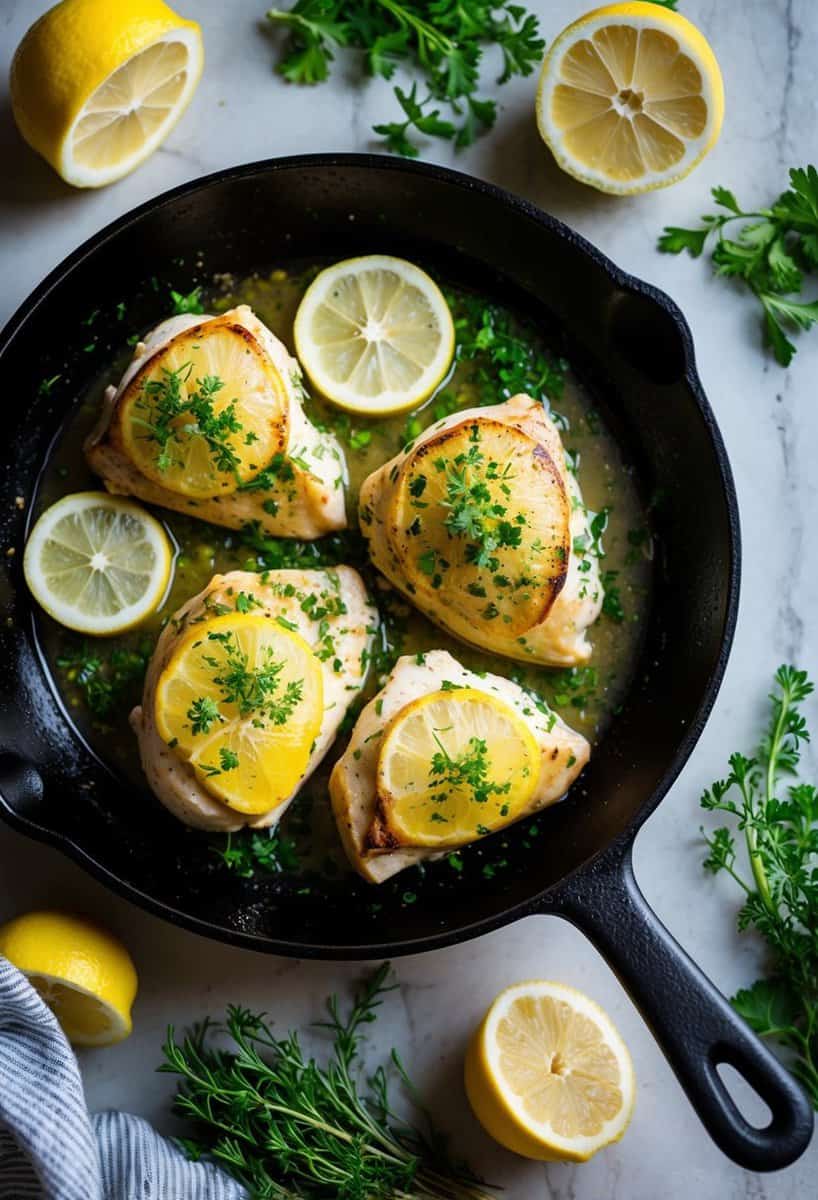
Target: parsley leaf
{"x":772,"y":252}
{"x":442,"y":41}
{"x":191,"y":303}
{"x":780,"y":834}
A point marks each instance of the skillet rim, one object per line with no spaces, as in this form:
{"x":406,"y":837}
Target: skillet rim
{"x":546,"y":898}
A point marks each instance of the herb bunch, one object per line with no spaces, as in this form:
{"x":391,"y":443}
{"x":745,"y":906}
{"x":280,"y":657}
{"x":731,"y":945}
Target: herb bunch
{"x":772,"y":252}
{"x":442,"y":41}
{"x":286,"y":1126}
{"x":780,"y":828}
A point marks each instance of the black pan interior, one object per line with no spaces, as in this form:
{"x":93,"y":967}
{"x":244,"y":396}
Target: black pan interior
{"x":627,"y":341}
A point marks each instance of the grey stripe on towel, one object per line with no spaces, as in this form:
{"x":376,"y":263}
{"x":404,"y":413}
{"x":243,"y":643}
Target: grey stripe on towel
{"x":51,"y":1148}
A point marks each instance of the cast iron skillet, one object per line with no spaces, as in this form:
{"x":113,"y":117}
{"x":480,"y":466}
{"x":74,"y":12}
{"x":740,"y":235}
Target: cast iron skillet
{"x":632,"y":346}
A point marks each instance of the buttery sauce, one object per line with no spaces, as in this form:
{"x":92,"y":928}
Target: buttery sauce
{"x":100,"y":679}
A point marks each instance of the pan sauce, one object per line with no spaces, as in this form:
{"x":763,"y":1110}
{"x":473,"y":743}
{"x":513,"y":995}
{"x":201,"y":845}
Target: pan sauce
{"x":586,"y":697}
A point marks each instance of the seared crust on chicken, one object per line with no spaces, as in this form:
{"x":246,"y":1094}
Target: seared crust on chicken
{"x":353,"y":783}
{"x":331,"y":611}
{"x":534,"y":598}
{"x":303,"y":492}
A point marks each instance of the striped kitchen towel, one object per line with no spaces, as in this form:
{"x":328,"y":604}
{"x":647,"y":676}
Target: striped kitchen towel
{"x":51,"y":1148}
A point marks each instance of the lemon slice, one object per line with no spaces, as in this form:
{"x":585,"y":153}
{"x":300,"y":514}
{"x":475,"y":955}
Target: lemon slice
{"x":548,"y":1075}
{"x":97,"y":564}
{"x":630,"y":98}
{"x":96,"y":85}
{"x":242,"y":700}
{"x":83,"y":973}
{"x":454,"y":765}
{"x":480,"y":522}
{"x":374,"y":335}
{"x":231,"y":411}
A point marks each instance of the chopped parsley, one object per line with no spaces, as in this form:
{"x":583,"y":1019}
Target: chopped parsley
{"x":191,"y":303}
{"x":268,"y":851}
{"x":107,"y":682}
{"x":174,"y":412}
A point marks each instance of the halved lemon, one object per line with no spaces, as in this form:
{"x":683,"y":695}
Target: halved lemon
{"x":206,"y":413}
{"x":630,"y":98}
{"x":97,"y":563}
{"x":242,"y":700}
{"x":455,"y":765}
{"x":374,"y":335}
{"x":548,"y":1075}
{"x":96,"y":85}
{"x":480,"y":521}
{"x":82,"y":972}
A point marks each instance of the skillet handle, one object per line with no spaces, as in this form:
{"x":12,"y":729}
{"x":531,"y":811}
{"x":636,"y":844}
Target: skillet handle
{"x":694,"y":1024}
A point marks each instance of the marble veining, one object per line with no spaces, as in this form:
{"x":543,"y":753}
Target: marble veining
{"x":242,"y":112}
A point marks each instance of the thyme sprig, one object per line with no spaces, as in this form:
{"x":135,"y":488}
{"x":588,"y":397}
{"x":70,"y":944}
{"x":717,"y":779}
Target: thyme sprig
{"x":286,"y":1126}
{"x":781,"y":893}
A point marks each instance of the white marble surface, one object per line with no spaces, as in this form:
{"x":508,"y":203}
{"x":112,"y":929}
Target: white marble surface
{"x":242,"y":112}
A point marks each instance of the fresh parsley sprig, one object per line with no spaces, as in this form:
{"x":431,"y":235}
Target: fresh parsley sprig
{"x":780,"y":827}
{"x":772,"y":252}
{"x":442,"y":41}
{"x":287,"y":1126}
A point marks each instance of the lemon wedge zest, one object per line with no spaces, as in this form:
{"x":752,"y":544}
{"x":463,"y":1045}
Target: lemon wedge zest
{"x":96,"y":86}
{"x":82,"y":972}
{"x":374,"y":335}
{"x":262,"y":687}
{"x":454,"y":765}
{"x":630,"y":98}
{"x":97,"y":564}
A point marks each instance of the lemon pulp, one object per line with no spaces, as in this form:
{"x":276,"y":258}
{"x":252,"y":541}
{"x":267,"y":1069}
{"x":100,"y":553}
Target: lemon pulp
{"x":241,"y":699}
{"x":374,"y":334}
{"x":97,"y":563}
{"x":548,"y":1074}
{"x":453,"y":765}
{"x":630,"y":97}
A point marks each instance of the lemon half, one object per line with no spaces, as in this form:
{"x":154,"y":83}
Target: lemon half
{"x":630,"y":98}
{"x":374,"y":335}
{"x":548,"y":1075}
{"x":97,"y":563}
{"x":96,"y":85}
{"x":242,"y":700}
{"x":82,"y":972}
{"x":455,"y":765}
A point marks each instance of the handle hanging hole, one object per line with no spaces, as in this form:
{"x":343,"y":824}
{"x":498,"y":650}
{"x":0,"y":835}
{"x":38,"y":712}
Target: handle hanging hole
{"x":753,"y":1108}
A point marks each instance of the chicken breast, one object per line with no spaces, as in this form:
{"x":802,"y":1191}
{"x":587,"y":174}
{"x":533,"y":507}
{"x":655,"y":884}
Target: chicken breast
{"x":353,"y":781}
{"x":562,"y":597}
{"x":302,"y":494}
{"x":329,"y":609}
